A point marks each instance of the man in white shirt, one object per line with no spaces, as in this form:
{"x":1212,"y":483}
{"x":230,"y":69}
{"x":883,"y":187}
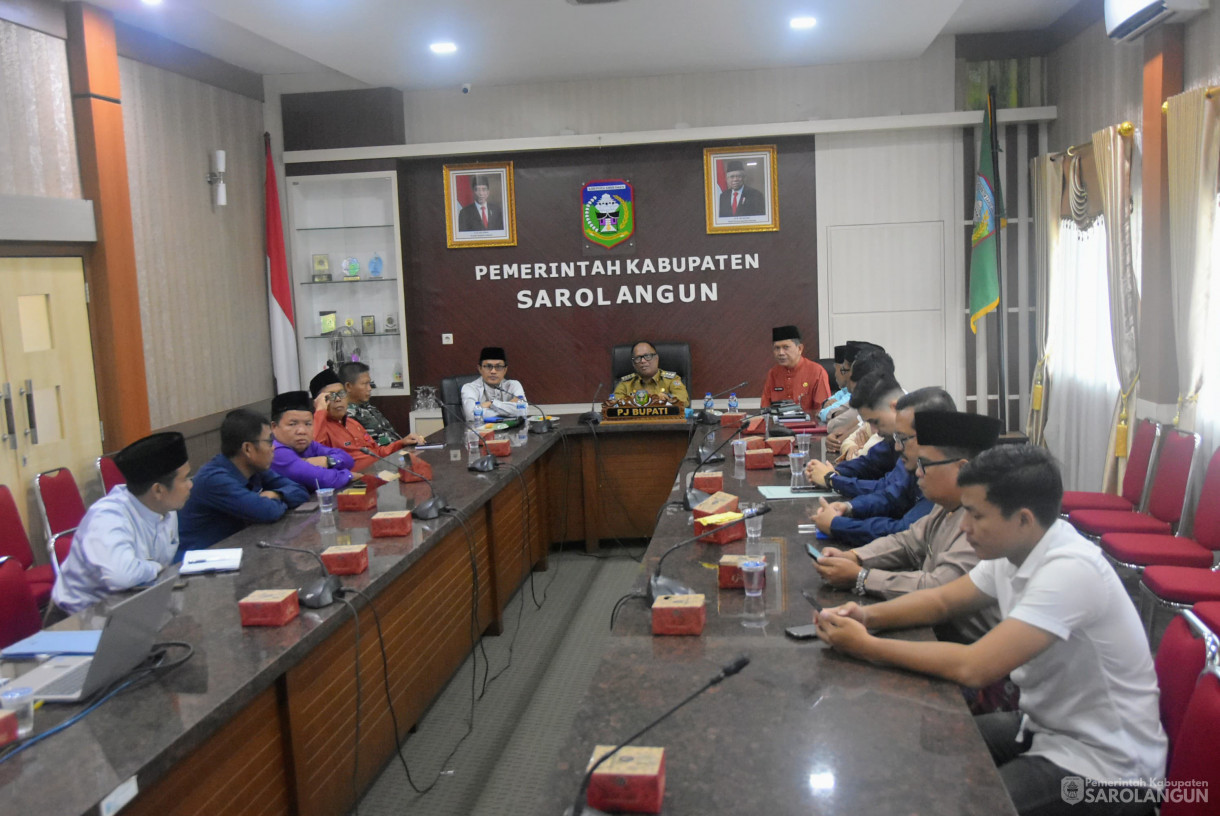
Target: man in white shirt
{"x":492,"y":390}
{"x":129,"y":535}
{"x":1070,"y":637}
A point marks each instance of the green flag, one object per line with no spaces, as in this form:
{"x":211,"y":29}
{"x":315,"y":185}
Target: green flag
{"x":984,"y":253}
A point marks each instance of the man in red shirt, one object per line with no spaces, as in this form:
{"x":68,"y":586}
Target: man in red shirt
{"x":333,"y":428}
{"x":794,"y":378}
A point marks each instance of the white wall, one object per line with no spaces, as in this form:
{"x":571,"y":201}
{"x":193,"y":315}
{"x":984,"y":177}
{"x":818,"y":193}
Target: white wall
{"x":1095,"y":82}
{"x":1202,"y":57}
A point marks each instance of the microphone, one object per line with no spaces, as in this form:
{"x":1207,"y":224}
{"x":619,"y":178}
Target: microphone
{"x":545,"y":425}
{"x":733,"y":668}
{"x":592,"y":416}
{"x":426,"y":510}
{"x":710,"y":418}
{"x":322,"y":591}
{"x":660,"y":585}
{"x":485,"y":463}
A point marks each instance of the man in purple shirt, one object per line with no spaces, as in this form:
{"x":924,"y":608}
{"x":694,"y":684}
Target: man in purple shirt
{"x":297,"y":456}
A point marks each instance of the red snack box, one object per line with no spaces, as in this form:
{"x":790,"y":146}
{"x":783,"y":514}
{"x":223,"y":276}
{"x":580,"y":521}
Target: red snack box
{"x":709,"y":481}
{"x":632,"y":780}
{"x":417,"y":464}
{"x":758,"y":425}
{"x":780,"y":445}
{"x":719,"y":502}
{"x":8,"y":727}
{"x":357,"y":498}
{"x":499,"y":447}
{"x":760,"y":459}
{"x":755,"y":443}
{"x":732,"y":420}
{"x":269,"y":607}
{"x":346,"y":559}
{"x":678,"y":615}
{"x":390,"y":523}
{"x":729,"y":575}
{"x":371,"y":482}
{"x":728,"y":534}
{"x":487,"y":433}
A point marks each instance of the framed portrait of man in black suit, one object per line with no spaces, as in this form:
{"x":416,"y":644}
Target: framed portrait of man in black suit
{"x":480,"y":209}
{"x":740,"y":189}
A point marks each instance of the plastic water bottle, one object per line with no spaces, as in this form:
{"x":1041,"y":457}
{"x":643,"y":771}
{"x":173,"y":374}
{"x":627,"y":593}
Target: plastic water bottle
{"x":522,"y":408}
{"x":709,"y":404}
{"x":478,"y":413}
{"x":733,"y":403}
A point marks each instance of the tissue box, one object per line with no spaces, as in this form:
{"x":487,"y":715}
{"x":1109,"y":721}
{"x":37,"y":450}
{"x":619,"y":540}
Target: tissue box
{"x":269,"y":607}
{"x":717,"y":503}
{"x":755,"y":443}
{"x":417,"y":464}
{"x":709,"y":481}
{"x":758,"y":425}
{"x":390,"y":523}
{"x":346,"y":559}
{"x":678,"y":615}
{"x":8,"y":727}
{"x":499,"y":447}
{"x":732,"y":420}
{"x":729,"y":574}
{"x":371,"y":482}
{"x":632,"y":780}
{"x":357,"y":498}
{"x":760,"y":459}
{"x":780,"y":445}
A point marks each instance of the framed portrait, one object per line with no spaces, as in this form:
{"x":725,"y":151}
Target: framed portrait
{"x":740,"y":189}
{"x":480,"y":207}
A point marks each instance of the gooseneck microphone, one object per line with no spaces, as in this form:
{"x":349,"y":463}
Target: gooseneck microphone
{"x":544,"y":425}
{"x":724,"y":673}
{"x":485,"y":463}
{"x":710,"y":417}
{"x":425,"y":510}
{"x":660,"y":585}
{"x":322,"y":591}
{"x":592,"y":416}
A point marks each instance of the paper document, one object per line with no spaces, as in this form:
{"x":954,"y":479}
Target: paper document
{"x":196,"y":561}
{"x":773,"y":492}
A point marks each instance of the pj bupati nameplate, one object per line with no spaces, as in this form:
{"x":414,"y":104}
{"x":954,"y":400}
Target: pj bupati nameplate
{"x":642,"y":406}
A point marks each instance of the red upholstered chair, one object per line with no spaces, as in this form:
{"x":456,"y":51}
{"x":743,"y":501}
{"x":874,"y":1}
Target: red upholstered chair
{"x":109,"y":473}
{"x":16,"y":544}
{"x":1196,"y":765}
{"x":1136,"y":481}
{"x":62,"y":509}
{"x":1183,"y":652}
{"x":1170,"y":485}
{"x":1140,"y":550}
{"x":18,"y":612}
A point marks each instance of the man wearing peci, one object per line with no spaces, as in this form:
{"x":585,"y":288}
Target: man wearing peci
{"x":482,"y":214}
{"x":649,"y":377}
{"x":794,"y":376}
{"x":492,"y":390}
{"x":738,"y":199}
{"x":297,"y":454}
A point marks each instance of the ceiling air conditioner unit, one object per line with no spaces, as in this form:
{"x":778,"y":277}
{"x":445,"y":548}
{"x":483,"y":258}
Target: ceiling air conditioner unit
{"x":1129,"y":20}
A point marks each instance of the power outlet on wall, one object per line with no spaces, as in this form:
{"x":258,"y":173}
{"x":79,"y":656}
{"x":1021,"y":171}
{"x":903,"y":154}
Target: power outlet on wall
{"x":446,"y":339}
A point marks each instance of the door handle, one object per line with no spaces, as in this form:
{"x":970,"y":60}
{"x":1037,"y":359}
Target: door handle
{"x":31,"y":418}
{"x":10,"y":425}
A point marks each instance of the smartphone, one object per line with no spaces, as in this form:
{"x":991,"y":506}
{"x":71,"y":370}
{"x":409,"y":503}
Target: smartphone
{"x":306,"y":507}
{"x":808,"y":489}
{"x":809,"y":596}
{"x":813,"y":551}
{"x":805,"y":632}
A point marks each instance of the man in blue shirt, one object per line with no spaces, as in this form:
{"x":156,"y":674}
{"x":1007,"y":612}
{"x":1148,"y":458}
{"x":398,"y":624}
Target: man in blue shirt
{"x":837,"y":402}
{"x":131,"y":533}
{"x":237,"y":487}
{"x":297,"y":455}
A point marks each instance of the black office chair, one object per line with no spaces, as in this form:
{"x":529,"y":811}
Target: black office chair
{"x":828,"y":363}
{"x":451,"y":396}
{"x":673,"y":357}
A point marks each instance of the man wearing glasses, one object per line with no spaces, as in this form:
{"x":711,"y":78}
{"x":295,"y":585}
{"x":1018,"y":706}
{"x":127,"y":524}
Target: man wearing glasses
{"x":934,"y":550}
{"x":649,"y":377}
{"x":237,"y":487}
{"x":492,"y":390}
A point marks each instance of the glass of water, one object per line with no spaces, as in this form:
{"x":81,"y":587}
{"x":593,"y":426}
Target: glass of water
{"x":753,"y":524}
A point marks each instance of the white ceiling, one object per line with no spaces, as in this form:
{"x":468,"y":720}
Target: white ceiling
{"x":385,"y":42}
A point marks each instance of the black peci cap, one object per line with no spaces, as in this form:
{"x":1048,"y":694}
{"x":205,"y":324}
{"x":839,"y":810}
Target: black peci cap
{"x":151,"y":458}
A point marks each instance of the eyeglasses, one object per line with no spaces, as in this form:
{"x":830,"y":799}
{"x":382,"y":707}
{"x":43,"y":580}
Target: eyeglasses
{"x":925,"y":465}
{"x":643,"y":358}
{"x":494,"y":366}
{"x":266,"y":441}
{"x":901,"y":439}
{"x":335,"y":396}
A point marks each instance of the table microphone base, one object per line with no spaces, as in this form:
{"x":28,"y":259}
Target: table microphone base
{"x":320,"y":593}
{"x":693,"y":497}
{"x":430,"y":509}
{"x":660,"y":585}
{"x":484,"y":464}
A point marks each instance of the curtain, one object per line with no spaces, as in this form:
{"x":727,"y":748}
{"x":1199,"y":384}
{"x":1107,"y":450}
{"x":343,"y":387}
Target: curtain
{"x":1047,"y":174}
{"x":1081,"y":363}
{"x":1112,"y":154}
{"x":1193,"y":134}
{"x":1207,"y":417}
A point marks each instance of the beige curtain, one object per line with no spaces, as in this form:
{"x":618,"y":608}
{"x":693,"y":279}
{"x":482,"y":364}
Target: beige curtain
{"x":1193,"y":137}
{"x":1112,"y":153}
{"x":1047,"y":175}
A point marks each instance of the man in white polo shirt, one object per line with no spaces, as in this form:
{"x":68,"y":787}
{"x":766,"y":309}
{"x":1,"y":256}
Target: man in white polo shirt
{"x":1070,"y":637}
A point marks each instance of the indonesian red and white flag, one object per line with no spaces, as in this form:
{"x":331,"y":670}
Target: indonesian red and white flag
{"x":283,"y":333}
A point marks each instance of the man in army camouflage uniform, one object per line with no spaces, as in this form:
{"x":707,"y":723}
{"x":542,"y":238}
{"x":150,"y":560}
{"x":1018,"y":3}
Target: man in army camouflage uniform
{"x":359,"y":387}
{"x":649,"y":377}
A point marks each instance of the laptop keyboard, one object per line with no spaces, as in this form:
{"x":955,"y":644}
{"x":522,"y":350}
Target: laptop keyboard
{"x":70,"y":682}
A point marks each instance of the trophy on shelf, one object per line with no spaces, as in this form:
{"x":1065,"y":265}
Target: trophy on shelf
{"x":397,"y":382}
{"x":351,"y":269}
{"x":391,"y":325}
{"x":375,"y":265}
{"x":321,"y":269}
{"x":368,"y":324}
{"x":425,"y":398}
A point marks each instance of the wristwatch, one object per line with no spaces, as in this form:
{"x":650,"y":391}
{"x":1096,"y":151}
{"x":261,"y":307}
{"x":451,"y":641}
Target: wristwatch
{"x":826,"y":480}
{"x":861,"y":577}
{"x":332,"y":462}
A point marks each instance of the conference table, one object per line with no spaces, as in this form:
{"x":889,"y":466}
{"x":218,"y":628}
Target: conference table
{"x":262,"y":720}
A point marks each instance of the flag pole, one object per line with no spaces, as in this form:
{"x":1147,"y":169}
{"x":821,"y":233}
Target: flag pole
{"x":1001,"y":311}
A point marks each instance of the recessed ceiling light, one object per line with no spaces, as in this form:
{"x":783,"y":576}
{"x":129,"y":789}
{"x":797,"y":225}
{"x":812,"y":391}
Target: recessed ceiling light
{"x":152,"y":2}
{"x":443,"y":48}
{"x":800,"y":23}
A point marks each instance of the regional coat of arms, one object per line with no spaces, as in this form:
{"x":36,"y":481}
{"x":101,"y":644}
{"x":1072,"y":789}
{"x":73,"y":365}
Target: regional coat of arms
{"x":607,"y":212}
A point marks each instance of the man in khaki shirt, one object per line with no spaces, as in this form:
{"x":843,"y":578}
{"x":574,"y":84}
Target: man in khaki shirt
{"x":649,"y":377}
{"x":932,"y":551}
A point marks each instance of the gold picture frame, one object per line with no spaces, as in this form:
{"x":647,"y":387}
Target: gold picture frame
{"x":463,"y":219}
{"x":758,"y":197}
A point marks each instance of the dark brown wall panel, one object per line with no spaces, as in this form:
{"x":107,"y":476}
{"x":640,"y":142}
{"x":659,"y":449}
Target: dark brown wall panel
{"x":561,"y":354}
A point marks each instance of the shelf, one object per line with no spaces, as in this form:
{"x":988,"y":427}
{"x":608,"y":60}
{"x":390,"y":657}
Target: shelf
{"x":345,"y":226}
{"x":340,"y":280}
{"x":357,"y":334}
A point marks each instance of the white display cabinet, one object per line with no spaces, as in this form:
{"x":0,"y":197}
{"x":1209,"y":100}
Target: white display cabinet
{"x":349,"y":216}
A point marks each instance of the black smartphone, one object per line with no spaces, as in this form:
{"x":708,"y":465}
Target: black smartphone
{"x":809,"y":630}
{"x":813,"y":551}
{"x":809,"y":596}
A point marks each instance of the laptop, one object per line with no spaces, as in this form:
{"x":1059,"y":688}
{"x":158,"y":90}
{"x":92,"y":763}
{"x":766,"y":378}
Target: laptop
{"x":126,"y":640}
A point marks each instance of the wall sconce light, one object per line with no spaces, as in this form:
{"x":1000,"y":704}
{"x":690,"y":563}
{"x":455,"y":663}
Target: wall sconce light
{"x":216,"y":178}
